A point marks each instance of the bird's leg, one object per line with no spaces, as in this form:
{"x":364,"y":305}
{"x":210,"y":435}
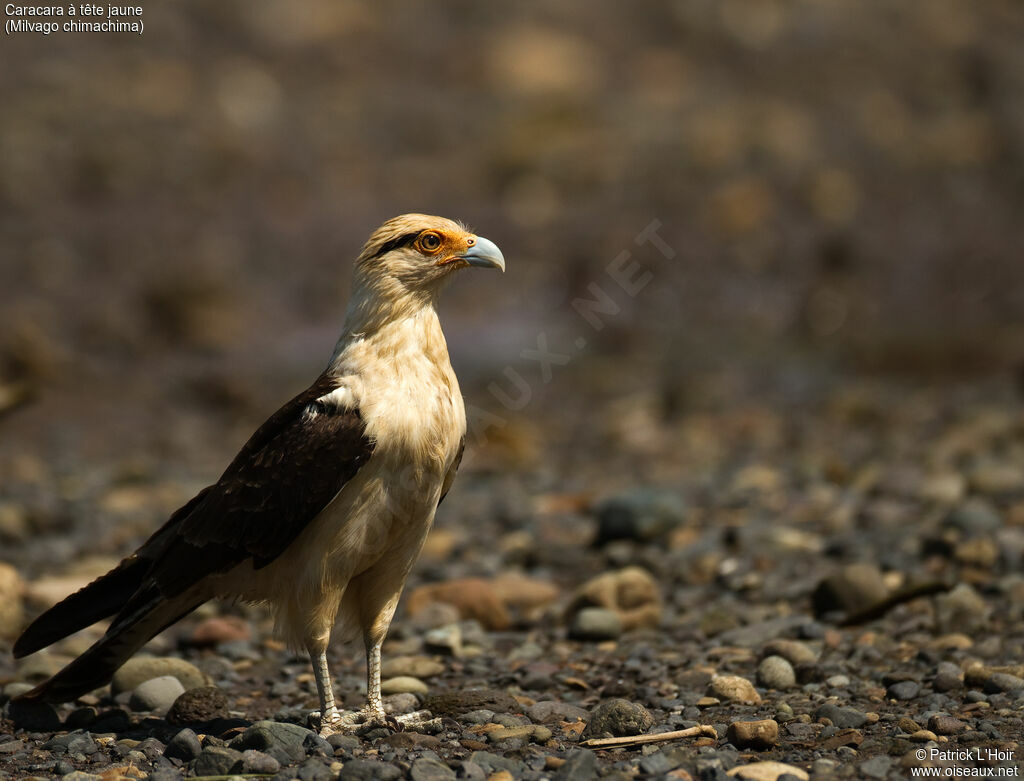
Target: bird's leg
{"x":316,"y":644}
{"x":328,"y":710}
{"x":374,"y":704}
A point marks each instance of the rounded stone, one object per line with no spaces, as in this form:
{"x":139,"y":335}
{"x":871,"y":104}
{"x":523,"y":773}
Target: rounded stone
{"x":198,"y":705}
{"x":617,"y":718}
{"x":156,"y":694}
{"x":775,"y":672}
{"x":143,"y":668}
{"x":758,"y":735}
{"x":735,"y":688}
{"x":595,"y":623}
{"x":403,"y":684}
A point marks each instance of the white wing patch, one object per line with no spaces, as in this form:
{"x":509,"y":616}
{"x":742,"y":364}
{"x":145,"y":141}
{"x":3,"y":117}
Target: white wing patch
{"x":339,"y":398}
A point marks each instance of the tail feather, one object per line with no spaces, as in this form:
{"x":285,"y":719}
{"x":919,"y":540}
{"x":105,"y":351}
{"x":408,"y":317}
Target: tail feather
{"x":101,"y":599}
{"x":145,"y":617}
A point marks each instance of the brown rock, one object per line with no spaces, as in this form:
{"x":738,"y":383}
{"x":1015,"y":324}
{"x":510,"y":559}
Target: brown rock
{"x":202,"y":704}
{"x":473,"y":597}
{"x":456,"y":703}
{"x":758,"y":735}
{"x":942,"y":724}
{"x":632,"y":593}
{"x":220,"y":629}
{"x":734,"y":688}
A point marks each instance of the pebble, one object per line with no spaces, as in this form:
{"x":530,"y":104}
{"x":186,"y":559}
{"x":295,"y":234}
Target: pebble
{"x":140,"y":669}
{"x":403,"y":684}
{"x":793,"y":651}
{"x":549,"y":711}
{"x":642,"y":515}
{"x":734,"y":688}
{"x":841,"y":717}
{"x":257,"y":762}
{"x":274,"y":736}
{"x":220,"y":629}
{"x":903,"y":690}
{"x":217,"y":761}
{"x":1003,"y":682}
{"x":975,"y":516}
{"x":924,"y":736}
{"x":851,"y":589}
{"x":961,"y":609}
{"x":413,"y":666}
{"x":595,"y":623}
{"x":838,"y":681}
{"x":445,"y":639}
{"x":184,"y":746}
{"x":876,"y":767}
{"x":156,"y":694}
{"x":474,"y":598}
{"x":455,"y":703}
{"x":202,"y":704}
{"x":580,"y":765}
{"x":631,"y":593}
{"x":775,"y":672}
{"x":767,"y":771}
{"x":758,"y":735}
{"x":617,"y":718}
{"x":368,"y":770}
{"x":427,"y":769}
{"x":944,"y":724}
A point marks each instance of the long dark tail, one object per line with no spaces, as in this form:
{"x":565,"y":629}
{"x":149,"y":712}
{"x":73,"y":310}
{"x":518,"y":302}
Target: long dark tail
{"x":101,"y":599}
{"x":146,"y":614}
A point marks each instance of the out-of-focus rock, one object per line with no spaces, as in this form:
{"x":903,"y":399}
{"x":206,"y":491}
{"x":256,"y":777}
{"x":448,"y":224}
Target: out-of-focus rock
{"x":473,"y":597}
{"x":632,"y":593}
{"x":640,"y":515}
{"x":850,"y":589}
{"x":143,"y":668}
{"x":12,"y":589}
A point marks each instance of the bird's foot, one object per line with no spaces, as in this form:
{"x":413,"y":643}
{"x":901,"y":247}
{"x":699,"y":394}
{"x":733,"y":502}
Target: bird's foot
{"x":364,"y":721}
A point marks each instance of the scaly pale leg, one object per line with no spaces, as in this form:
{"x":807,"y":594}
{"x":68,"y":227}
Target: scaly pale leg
{"x":329,"y":716}
{"x":374,"y":704}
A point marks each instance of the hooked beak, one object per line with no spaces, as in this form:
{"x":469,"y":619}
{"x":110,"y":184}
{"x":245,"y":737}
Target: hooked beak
{"x":484,"y":253}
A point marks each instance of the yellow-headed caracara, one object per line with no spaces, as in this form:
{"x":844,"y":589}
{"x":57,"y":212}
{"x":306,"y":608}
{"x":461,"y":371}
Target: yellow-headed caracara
{"x":323,"y":512}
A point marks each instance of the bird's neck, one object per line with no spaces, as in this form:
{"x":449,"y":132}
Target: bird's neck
{"x":390,"y":326}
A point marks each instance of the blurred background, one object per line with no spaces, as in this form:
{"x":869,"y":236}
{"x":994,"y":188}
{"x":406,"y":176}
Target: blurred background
{"x":836,"y":189}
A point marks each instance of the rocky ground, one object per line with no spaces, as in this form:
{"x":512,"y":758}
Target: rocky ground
{"x":829,"y":589}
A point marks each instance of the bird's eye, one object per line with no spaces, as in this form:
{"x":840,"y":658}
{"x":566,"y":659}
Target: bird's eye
{"x":430,"y":242}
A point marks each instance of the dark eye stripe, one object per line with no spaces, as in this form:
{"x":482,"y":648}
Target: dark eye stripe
{"x":405,"y":240}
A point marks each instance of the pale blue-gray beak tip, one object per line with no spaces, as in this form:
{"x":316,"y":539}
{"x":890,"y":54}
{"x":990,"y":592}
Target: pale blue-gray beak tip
{"x":484,"y":253}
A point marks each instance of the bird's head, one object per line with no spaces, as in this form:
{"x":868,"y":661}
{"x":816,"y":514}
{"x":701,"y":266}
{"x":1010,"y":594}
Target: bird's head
{"x":417,"y":253}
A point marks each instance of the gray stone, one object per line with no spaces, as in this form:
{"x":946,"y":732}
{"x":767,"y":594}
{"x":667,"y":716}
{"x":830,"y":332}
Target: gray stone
{"x":642,"y":515}
{"x":876,"y":767}
{"x":851,"y":589}
{"x":314,"y":770}
{"x":580,"y":765}
{"x":492,"y":762}
{"x":456,"y":703}
{"x":842,"y":717}
{"x":617,"y":718}
{"x":903,"y":690}
{"x":274,"y":736}
{"x":217,"y":761}
{"x":184,"y":746}
{"x":595,"y":623}
{"x":427,"y":769}
{"x":975,"y":516}
{"x":1003,"y":682}
{"x":775,"y":672}
{"x":551,"y":711}
{"x":156,"y":694}
{"x":368,"y":770}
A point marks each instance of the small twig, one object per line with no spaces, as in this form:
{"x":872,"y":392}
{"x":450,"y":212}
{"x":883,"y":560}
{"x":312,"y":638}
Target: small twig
{"x":636,"y":740}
